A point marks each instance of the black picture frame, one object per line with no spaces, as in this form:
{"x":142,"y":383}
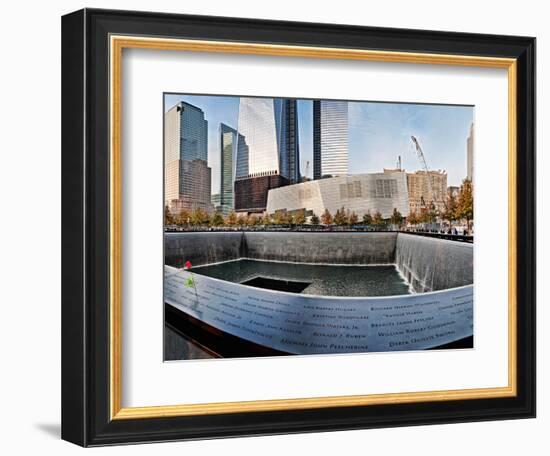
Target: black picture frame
{"x":86,"y":417}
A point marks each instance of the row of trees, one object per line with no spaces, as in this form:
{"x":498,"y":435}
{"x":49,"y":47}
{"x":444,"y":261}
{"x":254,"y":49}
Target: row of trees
{"x":456,"y":208}
{"x":459,"y":207}
{"x":199,"y":217}
{"x":343,"y":217}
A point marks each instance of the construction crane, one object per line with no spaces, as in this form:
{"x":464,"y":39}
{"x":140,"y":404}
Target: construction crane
{"x":424,"y":165}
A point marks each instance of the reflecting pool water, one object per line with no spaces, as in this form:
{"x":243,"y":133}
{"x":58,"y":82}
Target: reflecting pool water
{"x":313,"y":279}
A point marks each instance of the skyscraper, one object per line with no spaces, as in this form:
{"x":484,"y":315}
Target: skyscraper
{"x":228,"y":153}
{"x":330,"y":138}
{"x":470,"y":154}
{"x":187,"y":177}
{"x":288,"y":139}
{"x":267,"y":150}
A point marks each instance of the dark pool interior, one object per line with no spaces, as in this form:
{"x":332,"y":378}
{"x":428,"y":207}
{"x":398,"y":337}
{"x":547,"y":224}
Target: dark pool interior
{"x":313,"y":279}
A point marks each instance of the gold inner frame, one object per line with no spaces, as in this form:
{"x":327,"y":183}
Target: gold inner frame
{"x":117,"y":44}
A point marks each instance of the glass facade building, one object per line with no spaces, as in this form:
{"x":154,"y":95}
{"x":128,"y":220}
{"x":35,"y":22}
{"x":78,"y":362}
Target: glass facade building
{"x":187,"y":176}
{"x":251,"y":194}
{"x":330,"y":138}
{"x":267,"y":145}
{"x":470,"y":154}
{"x":228,"y":154}
{"x":289,"y":143}
{"x":257,"y":152}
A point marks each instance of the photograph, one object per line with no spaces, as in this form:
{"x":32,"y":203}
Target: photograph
{"x":289,"y":225}
{"x":316,"y":226}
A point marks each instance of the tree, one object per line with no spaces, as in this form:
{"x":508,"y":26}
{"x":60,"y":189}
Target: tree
{"x":412,"y":218}
{"x":466,"y":202}
{"x":300,"y":217}
{"x":341,"y":217}
{"x":353,"y":218}
{"x":231,"y":219}
{"x":199,"y":217}
{"x":216,"y":219}
{"x":265,"y":220}
{"x":168,"y":218}
{"x":326,"y":217}
{"x":423,"y":216}
{"x":183,"y":218}
{"x":428,"y":214}
{"x":377,"y":219}
{"x":314,"y":220}
{"x":432,"y":213}
{"x":367,"y":218}
{"x":252,"y":220}
{"x":338,"y":217}
{"x":396,"y":217}
{"x":451,"y":209}
{"x":279,"y":218}
{"x":241,"y":220}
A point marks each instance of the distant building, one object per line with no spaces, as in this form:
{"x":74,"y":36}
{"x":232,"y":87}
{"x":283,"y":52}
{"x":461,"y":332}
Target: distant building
{"x":470,"y":154}
{"x":330,"y":138}
{"x":216,"y":199}
{"x":418,"y":184}
{"x":289,"y":141}
{"x":453,"y":191}
{"x":228,"y":154}
{"x":196,"y":183}
{"x":267,"y":150}
{"x":360,"y":193}
{"x":251,"y":195}
{"x":187,"y":177}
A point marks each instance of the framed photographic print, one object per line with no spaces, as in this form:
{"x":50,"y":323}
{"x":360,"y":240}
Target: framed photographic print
{"x":275,"y":227}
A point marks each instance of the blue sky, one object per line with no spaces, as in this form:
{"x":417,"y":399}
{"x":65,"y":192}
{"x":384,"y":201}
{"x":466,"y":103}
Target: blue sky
{"x":378,"y":134}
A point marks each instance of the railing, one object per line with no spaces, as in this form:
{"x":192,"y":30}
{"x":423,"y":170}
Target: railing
{"x":317,"y":229}
{"x":451,"y":237}
{"x":278,"y":227}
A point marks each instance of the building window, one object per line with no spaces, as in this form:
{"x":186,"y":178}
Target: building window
{"x":386,"y":188}
{"x":351,"y":190}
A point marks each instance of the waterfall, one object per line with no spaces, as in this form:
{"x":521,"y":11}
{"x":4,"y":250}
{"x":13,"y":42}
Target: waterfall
{"x":430,"y":264}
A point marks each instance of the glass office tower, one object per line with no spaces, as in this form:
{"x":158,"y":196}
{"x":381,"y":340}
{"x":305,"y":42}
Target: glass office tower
{"x":288,"y":140}
{"x":330,"y":138}
{"x":228,"y":154}
{"x":187,"y":177}
{"x":257,"y":152}
{"x":267,"y":150}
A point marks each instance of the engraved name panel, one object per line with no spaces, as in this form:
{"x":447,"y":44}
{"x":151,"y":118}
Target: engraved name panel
{"x":303,"y":324}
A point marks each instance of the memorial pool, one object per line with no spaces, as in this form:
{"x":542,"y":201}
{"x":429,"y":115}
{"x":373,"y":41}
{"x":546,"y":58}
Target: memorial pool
{"x":312,"y":279}
{"x":271,"y":293}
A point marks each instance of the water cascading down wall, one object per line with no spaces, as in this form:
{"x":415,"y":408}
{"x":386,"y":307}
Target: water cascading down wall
{"x":428,"y":264}
{"x":271,"y":322}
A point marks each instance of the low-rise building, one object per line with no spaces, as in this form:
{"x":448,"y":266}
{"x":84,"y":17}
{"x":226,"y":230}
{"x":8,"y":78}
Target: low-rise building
{"x":418,"y":188}
{"x":420,"y":196}
{"x":359,"y":193}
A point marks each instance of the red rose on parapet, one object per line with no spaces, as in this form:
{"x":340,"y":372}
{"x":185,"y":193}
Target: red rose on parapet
{"x":190,"y":281}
